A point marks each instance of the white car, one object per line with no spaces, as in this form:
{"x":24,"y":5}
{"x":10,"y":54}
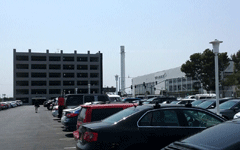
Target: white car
{"x":65,"y":111}
{"x":55,"y":111}
{"x":237,"y":115}
{"x":115,"y":98}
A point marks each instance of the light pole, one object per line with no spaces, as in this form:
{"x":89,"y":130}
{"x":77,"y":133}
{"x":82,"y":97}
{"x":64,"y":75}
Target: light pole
{"x":116,"y":78}
{"x":215,"y":44}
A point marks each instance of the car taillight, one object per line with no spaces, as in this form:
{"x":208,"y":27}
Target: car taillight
{"x":70,"y":115}
{"x":90,"y":136}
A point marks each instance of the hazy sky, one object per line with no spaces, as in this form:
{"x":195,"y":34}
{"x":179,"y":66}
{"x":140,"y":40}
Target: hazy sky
{"x":157,"y":34}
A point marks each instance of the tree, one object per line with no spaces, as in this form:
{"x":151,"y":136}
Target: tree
{"x":201,"y":67}
{"x":234,"y":79}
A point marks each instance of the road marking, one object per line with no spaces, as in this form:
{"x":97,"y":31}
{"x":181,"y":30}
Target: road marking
{"x":69,"y":147}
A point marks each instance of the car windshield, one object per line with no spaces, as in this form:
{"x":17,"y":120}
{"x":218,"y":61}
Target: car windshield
{"x":227,"y":105}
{"x":121,"y":115}
{"x":197,"y":102}
{"x":206,"y":104}
{"x":174,"y":102}
{"x":151,"y":99}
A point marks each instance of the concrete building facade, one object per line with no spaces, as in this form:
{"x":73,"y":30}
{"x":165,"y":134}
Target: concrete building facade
{"x":49,"y":75}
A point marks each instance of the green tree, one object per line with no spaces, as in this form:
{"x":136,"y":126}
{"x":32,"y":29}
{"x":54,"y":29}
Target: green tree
{"x":234,"y":79}
{"x":201,"y":67}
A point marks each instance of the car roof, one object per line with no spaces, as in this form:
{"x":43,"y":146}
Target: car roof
{"x":112,"y":105}
{"x":221,"y":136}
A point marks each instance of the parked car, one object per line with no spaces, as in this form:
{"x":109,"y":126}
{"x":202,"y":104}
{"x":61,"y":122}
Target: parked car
{"x":229,"y":108}
{"x":211,"y":103}
{"x":197,"y":102}
{"x":55,"y":111}
{"x":90,"y":113}
{"x":73,"y":100}
{"x":115,"y":98}
{"x":131,"y":99}
{"x":159,"y":99}
{"x":4,"y":105}
{"x":13,"y":104}
{"x":68,"y":111}
{"x":223,"y":136}
{"x":70,"y":120}
{"x":146,"y":126}
{"x":19,"y":102}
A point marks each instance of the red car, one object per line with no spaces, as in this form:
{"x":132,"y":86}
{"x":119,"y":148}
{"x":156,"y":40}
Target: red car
{"x":90,"y":113}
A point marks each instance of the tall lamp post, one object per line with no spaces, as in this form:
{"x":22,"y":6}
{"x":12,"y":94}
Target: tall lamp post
{"x":116,"y":78}
{"x":215,"y":44}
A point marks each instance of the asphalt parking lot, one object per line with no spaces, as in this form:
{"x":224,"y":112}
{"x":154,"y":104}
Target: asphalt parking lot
{"x":23,"y":129}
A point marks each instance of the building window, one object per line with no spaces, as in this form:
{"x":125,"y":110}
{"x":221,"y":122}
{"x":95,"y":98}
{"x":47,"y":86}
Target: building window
{"x":69,"y":91}
{"x":22,"y":91}
{"x":94,"y":83}
{"x":54,"y":58}
{"x":38,"y":83}
{"x":38,"y":75}
{"x":38,"y":91}
{"x":68,"y":83}
{"x":56,"y":67}
{"x":54,"y":75}
{"x":82,"y":82}
{"x":54,"y":91}
{"x":82,"y":59}
{"x":82,"y":75}
{"x":54,"y":83}
{"x":93,"y":67}
{"x":22,"y":58}
{"x":21,"y":75}
{"x":94,"y":75}
{"x":38,"y":66}
{"x":83,"y":91}
{"x":68,"y":67}
{"x":68,"y":75}
{"x":38,"y":58}
{"x":93,"y":91}
{"x":82,"y":67}
{"x":94,"y":59}
{"x":68,"y":58}
{"x":21,"y":83}
{"x":22,"y":66}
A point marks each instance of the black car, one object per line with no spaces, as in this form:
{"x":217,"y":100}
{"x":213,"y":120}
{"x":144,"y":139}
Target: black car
{"x":159,"y":99}
{"x":131,"y":99}
{"x":224,"y":136}
{"x":211,"y":103}
{"x":197,"y":102}
{"x":229,"y":108}
{"x":146,"y":126}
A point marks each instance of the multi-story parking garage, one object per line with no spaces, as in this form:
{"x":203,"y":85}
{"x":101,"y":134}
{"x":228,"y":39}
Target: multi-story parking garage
{"x":48,"y":75}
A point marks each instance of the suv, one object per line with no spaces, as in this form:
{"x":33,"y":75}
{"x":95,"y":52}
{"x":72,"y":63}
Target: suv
{"x":146,"y":126}
{"x":72,"y":100}
{"x":90,"y":113}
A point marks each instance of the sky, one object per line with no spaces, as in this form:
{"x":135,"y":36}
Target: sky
{"x":157,"y":34}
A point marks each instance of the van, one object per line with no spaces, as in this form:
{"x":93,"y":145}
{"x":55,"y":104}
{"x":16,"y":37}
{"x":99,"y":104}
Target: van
{"x":115,"y":98}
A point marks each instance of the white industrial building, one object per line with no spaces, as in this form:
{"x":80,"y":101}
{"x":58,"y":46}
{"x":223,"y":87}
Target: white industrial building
{"x":170,"y":82}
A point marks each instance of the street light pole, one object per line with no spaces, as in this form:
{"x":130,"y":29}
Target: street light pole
{"x":216,"y":51}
